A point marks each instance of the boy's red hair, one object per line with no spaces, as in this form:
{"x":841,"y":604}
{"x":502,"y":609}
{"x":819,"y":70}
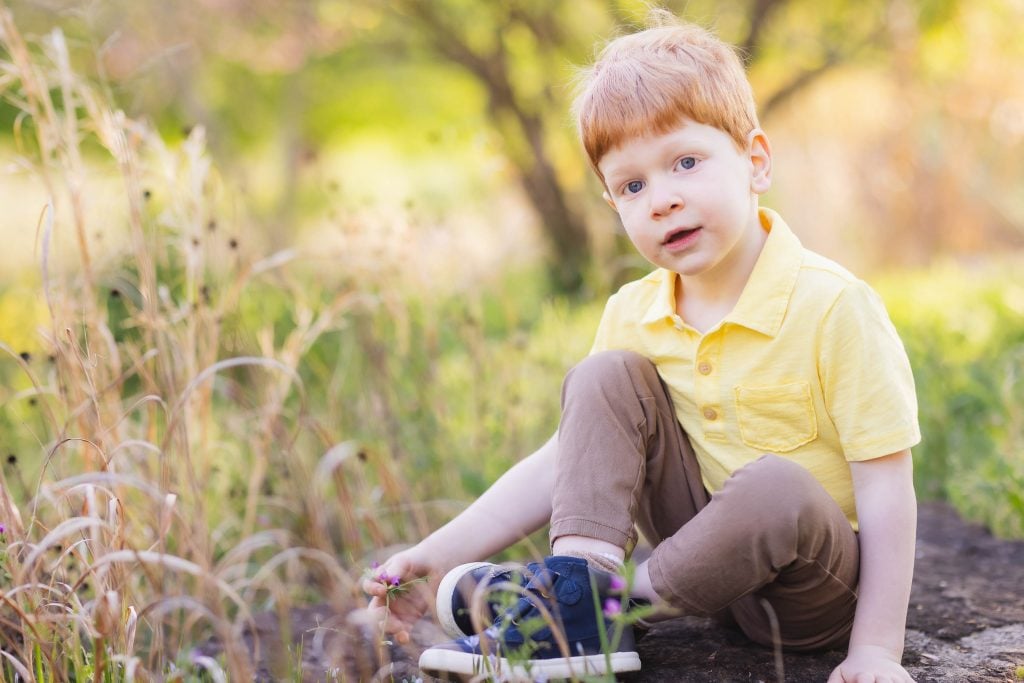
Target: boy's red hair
{"x":645,"y":83}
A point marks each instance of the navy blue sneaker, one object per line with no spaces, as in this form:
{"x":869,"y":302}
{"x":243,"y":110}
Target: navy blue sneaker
{"x":552,"y":631}
{"x":493,"y":584}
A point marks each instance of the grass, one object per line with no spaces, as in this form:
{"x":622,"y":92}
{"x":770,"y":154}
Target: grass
{"x":197,"y":433}
{"x":152,"y":494}
{"x":964,"y":332}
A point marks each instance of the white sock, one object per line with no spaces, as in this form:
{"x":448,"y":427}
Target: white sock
{"x":603,"y":561}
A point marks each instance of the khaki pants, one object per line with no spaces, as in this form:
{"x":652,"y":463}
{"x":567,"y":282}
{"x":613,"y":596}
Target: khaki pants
{"x":771,"y":534}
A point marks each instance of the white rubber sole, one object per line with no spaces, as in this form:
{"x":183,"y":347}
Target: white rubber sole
{"x":443,"y":601}
{"x":437,"y":660}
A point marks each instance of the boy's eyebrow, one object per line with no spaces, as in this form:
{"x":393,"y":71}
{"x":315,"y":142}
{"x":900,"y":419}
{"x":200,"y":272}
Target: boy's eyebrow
{"x":615,"y":171}
{"x":616,"y":175}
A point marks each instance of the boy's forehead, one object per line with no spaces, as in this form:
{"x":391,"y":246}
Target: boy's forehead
{"x":684,"y":131}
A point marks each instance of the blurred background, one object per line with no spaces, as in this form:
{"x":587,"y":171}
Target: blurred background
{"x":897,"y":124}
{"x":318,"y":267}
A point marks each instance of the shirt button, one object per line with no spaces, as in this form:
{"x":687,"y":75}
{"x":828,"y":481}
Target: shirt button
{"x":710,"y":413}
{"x":704,"y":368}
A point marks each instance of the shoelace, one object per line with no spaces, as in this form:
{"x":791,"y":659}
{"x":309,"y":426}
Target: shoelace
{"x":541,"y":584}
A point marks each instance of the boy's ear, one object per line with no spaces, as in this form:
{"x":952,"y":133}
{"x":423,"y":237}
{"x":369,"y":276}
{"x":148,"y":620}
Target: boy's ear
{"x":760,"y":151}
{"x":608,"y":198}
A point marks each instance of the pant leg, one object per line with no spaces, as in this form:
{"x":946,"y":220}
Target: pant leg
{"x":623,"y":459}
{"x":772,"y":533}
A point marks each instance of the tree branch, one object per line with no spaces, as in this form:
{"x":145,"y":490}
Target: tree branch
{"x":803,"y":80}
{"x":798,"y":83}
{"x":759,"y":15}
{"x":445,"y":39}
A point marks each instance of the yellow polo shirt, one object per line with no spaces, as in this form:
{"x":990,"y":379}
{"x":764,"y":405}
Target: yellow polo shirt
{"x":807,"y":366}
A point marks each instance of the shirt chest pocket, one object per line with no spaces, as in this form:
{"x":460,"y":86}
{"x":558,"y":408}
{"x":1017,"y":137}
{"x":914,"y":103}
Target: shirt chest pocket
{"x":776,"y":419}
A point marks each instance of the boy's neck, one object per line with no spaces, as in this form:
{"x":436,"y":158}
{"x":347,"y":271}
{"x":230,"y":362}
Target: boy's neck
{"x":705,"y":300}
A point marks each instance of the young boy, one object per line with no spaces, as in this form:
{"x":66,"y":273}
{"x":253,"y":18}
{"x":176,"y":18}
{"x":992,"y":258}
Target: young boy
{"x":748,"y":406}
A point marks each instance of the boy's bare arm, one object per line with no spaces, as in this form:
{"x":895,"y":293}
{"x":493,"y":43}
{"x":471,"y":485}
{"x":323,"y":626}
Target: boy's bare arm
{"x":887,"y":513}
{"x":516,"y":505}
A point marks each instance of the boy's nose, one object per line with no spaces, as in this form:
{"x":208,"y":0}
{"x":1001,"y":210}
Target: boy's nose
{"x":665,"y":199}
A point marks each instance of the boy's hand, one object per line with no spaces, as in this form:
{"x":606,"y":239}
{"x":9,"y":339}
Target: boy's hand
{"x":400,"y":609}
{"x":869,"y":665}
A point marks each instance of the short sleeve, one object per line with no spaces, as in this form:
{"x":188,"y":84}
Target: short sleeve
{"x":603,"y":337}
{"x":866,"y":378}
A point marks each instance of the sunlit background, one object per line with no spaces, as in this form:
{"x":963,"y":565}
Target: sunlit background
{"x":438,"y":132}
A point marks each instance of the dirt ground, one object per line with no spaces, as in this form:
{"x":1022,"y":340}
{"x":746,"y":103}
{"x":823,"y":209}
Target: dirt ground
{"x":966,"y":624}
{"x":966,"y":620}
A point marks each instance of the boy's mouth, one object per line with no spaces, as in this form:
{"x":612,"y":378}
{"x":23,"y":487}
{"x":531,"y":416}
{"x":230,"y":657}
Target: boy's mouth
{"x":679,"y":237}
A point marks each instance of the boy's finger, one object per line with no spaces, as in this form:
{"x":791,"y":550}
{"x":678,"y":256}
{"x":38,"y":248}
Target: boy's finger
{"x":374,"y":614}
{"x":396,"y":628}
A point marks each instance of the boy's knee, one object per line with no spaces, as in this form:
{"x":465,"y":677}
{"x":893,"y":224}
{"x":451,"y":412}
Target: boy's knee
{"x":612,"y":366}
{"x":782,"y":488}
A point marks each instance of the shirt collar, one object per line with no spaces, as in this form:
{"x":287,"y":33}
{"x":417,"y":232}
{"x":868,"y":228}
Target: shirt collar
{"x":663,"y":308}
{"x":763,"y":302}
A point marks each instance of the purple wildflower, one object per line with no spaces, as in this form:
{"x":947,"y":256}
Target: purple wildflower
{"x":618,"y":583}
{"x":612,"y":607}
{"x":388,"y":579}
{"x":3,"y":530}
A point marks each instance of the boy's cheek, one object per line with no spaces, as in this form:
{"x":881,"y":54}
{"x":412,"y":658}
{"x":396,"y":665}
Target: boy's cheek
{"x":638,"y":242}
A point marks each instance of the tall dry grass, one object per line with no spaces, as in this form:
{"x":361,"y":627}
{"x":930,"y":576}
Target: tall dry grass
{"x":162,"y":498}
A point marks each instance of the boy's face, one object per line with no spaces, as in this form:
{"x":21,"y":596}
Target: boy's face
{"x":688,"y":198}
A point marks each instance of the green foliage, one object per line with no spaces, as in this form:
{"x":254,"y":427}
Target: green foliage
{"x":964,"y":333}
{"x":455,"y":389}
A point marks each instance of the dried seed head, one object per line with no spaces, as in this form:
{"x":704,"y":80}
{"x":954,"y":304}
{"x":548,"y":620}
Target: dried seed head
{"x":129,"y":629}
{"x":167,"y":513}
{"x":106,"y":613}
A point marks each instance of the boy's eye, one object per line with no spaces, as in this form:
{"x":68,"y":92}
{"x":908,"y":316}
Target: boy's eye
{"x":687,"y":163}
{"x":634,"y":186}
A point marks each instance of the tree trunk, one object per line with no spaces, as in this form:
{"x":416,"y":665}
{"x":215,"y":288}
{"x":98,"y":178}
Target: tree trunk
{"x":564,"y":229}
{"x":563,"y":226}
